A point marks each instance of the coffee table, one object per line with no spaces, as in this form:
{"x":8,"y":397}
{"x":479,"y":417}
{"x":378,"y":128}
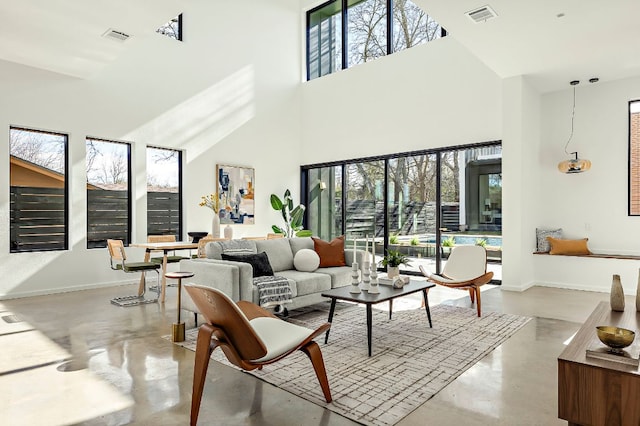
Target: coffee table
{"x":387,"y":294}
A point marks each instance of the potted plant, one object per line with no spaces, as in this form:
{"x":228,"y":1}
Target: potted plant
{"x":292,"y":216}
{"x":392,"y":261}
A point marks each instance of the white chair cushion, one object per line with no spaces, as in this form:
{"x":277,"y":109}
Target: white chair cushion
{"x":466,"y":263}
{"x":278,"y":336}
{"x":306,"y":260}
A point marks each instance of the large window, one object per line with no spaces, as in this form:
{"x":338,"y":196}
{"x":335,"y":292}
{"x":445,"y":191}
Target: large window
{"x":343,"y":33}
{"x":420,"y":204}
{"x":164,"y":192}
{"x":38,"y":190}
{"x":108,"y":192}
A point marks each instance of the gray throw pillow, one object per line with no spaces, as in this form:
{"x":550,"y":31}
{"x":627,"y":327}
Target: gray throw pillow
{"x":541,"y":238}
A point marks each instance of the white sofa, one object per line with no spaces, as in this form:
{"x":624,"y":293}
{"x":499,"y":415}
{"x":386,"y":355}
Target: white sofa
{"x":236,"y":278}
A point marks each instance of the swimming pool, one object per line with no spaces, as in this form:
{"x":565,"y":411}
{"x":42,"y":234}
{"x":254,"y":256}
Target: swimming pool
{"x":467,"y":239}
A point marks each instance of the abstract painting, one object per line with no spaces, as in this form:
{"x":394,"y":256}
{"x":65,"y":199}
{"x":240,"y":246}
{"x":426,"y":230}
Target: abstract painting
{"x":236,"y":191}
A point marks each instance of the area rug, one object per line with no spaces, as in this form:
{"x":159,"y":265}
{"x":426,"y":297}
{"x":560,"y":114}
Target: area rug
{"x":410,"y":362}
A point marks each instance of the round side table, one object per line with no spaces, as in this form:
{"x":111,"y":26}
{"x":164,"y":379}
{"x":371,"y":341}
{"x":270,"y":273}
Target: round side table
{"x":177,"y":329}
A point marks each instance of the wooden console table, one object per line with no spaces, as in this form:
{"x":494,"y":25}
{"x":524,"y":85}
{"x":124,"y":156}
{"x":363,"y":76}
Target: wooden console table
{"x":593,"y":391}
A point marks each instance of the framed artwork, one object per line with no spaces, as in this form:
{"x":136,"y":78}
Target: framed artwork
{"x":236,"y":187}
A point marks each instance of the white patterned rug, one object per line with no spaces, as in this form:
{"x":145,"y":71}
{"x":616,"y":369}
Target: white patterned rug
{"x":410,"y":362}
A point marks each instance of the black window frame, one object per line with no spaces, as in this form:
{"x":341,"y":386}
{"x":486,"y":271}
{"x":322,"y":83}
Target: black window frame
{"x":65,"y":245}
{"x":304,"y":193}
{"x":344,"y":11}
{"x":127,"y":239}
{"x":180,"y":190}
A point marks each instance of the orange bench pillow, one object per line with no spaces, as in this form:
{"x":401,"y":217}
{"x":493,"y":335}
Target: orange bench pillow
{"x":568,"y":247}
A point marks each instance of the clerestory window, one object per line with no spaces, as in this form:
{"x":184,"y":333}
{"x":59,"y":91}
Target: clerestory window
{"x":343,"y":33}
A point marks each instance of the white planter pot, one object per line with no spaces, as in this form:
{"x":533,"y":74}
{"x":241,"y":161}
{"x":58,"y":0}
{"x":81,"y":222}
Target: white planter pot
{"x":215,"y":226}
{"x":393,"y":271}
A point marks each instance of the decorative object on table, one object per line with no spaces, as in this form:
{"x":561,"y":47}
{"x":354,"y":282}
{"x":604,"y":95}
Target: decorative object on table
{"x":373,"y":285}
{"x":574,"y":165}
{"x":213,"y":202}
{"x":228,"y":232}
{"x":398,"y":282}
{"x":392,"y":261}
{"x":366,"y":280}
{"x":385,"y":280}
{"x":355,"y":278}
{"x":292,"y":216}
{"x":638,"y":293}
{"x":197,"y":236}
{"x":236,"y":186}
{"x":617,"y":294}
{"x":616,"y":340}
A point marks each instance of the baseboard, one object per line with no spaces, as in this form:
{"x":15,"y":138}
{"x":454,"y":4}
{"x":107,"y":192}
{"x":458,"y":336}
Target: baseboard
{"x":519,"y":288}
{"x":572,"y":286}
{"x":57,"y":290}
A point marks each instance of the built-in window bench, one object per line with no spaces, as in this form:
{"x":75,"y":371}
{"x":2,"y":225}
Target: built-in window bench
{"x":593,"y":255}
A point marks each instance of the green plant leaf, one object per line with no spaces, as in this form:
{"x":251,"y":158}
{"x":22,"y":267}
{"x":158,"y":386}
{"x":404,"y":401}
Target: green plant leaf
{"x":304,"y":233}
{"x":296,"y":216}
{"x":277,"y":229}
{"x":276,"y":203}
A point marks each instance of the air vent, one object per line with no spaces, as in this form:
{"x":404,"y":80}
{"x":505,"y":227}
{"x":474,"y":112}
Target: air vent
{"x":481,"y":14}
{"x":116,"y":35}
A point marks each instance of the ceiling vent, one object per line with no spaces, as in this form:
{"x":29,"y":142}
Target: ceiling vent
{"x":482,"y":14}
{"x":116,"y":35}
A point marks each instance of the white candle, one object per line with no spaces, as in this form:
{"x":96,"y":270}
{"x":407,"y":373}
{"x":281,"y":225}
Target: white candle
{"x":354,"y":250}
{"x":373,"y":250}
{"x":366,"y":244}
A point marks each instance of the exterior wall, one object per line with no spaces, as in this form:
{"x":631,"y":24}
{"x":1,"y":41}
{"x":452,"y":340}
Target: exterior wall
{"x":634,"y":152}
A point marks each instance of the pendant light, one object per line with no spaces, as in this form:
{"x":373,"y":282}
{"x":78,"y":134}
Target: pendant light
{"x":575,"y":164}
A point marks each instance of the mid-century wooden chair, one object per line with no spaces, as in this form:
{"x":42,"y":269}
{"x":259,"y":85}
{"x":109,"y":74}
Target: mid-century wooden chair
{"x":118,"y":259}
{"x":249,"y":336}
{"x":466,"y":269}
{"x":272,"y":236}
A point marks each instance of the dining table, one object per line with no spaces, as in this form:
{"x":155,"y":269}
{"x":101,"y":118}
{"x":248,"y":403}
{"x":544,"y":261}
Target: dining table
{"x":165,"y":248}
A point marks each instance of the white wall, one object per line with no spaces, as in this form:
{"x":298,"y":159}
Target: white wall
{"x":228,"y":94}
{"x":592,"y":204}
{"x":432,"y":95}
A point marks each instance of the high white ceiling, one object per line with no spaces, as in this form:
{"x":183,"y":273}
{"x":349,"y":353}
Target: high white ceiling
{"x":65,"y":36}
{"x":593,"y":38}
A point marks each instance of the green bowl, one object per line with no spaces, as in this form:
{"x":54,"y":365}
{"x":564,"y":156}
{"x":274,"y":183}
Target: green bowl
{"x":615,"y":337}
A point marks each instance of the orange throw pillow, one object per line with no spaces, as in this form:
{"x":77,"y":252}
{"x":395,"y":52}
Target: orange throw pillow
{"x":331,"y":253}
{"x":568,"y":247}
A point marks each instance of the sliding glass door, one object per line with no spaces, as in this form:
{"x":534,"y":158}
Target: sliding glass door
{"x":420,"y":204}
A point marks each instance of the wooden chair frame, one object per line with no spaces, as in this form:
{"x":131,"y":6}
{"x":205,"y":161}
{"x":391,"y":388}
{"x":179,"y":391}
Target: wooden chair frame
{"x":472,"y":285}
{"x":229,"y":329}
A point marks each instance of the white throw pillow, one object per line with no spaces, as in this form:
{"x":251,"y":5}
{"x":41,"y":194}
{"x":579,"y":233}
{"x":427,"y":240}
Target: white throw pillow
{"x":306,"y":260}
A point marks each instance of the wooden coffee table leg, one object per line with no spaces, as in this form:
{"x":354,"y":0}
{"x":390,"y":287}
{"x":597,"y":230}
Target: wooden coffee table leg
{"x":369,"y":320}
{"x":331,"y":311}
{"x":426,"y":305}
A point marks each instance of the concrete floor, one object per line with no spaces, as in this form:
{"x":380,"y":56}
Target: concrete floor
{"x":514,"y":385}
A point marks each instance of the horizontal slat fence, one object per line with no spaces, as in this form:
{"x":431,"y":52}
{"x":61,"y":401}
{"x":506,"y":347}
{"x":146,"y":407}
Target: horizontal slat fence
{"x":163,"y":214}
{"x":37,"y":219}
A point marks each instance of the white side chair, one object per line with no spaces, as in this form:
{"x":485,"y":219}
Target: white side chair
{"x":466,"y":269}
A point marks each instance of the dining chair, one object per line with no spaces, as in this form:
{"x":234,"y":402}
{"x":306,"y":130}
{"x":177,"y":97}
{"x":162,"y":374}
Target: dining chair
{"x":118,"y":262}
{"x":466,"y":269}
{"x":164,"y":239}
{"x":249,"y":336}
